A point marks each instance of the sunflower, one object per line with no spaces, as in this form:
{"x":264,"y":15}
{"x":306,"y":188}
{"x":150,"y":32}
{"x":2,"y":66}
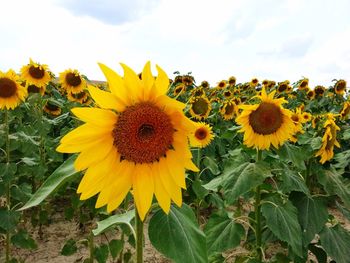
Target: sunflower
{"x":340,"y":87}
{"x":227,"y":94}
{"x":231,"y":81}
{"x":319,"y":90}
{"x":77,"y":97}
{"x":187,"y":80}
{"x":72,"y":81}
{"x":311,"y":94}
{"x":265,"y":82}
{"x":271,"y":84}
{"x":36,"y":74}
{"x":236,"y":100}
{"x":197,"y":92}
{"x":36,"y":89}
{"x":222,"y":84}
{"x":329,"y":140}
{"x":178,"y":79}
{"x":137,"y":139}
{"x":200,"y":107}
{"x":283,"y":86}
{"x":52,"y":109}
{"x":179,"y":89}
{"x":201,"y":136}
{"x":265,"y":123}
{"x":205,"y":84}
{"x":254,"y":82}
{"x":345,"y":110}
{"x":298,"y":127}
{"x":228,"y":110}
{"x":11,"y":91}
{"x":305,"y":117}
{"x":303,"y":84}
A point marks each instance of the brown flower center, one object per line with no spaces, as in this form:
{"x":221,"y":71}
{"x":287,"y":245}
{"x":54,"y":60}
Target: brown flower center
{"x":36,"y":72}
{"x":51,"y":107}
{"x":266,"y":119}
{"x":340,"y":85}
{"x":200,"y":106}
{"x":282,"y":87}
{"x":201,"y":134}
{"x":295,"y":117}
{"x":78,"y":95}
{"x":33,"y":89}
{"x":143,"y":133}
{"x":229,"y":109}
{"x":7,"y":88}
{"x":73,"y":79}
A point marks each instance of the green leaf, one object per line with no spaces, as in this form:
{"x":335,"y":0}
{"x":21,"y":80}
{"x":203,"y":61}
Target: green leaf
{"x":312,"y":214}
{"x":292,"y":181}
{"x":62,"y":174}
{"x":23,"y":240}
{"x":101,"y":253}
{"x":223,"y":233}
{"x":115,"y":247}
{"x":211,"y":165}
{"x":8,"y":219}
{"x":293,"y":154}
{"x":282,"y":220}
{"x":240,"y":180}
{"x":69,"y":248}
{"x":343,"y":210}
{"x":214,"y":184}
{"x":335,"y":184}
{"x":199,"y":190}
{"x":178,"y":236}
{"x":336,"y":242}
{"x":115,"y":220}
{"x":7,"y":171}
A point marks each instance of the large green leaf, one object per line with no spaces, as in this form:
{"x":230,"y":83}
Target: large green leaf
{"x":115,"y":220}
{"x":240,"y":180}
{"x":312,"y":214}
{"x":292,"y":181}
{"x":223,"y":233}
{"x":282,"y":220}
{"x":178,"y":236}
{"x":336,"y":242}
{"x":293,"y":154}
{"x":62,"y":174}
{"x":335,"y":184}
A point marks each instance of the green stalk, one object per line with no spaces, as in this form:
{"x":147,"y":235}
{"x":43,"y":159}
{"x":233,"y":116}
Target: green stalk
{"x":8,"y":193}
{"x":198,"y":202}
{"x":91,"y":247}
{"x":139,"y":237}
{"x":257,"y":209}
{"x":308,"y":174}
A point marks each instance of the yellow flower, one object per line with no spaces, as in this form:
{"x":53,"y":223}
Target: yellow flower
{"x":303,"y":84}
{"x":52,"y":109}
{"x":311,"y":94}
{"x":319,"y":90}
{"x":137,"y":139}
{"x":232,"y":81}
{"x":35,"y":89}
{"x":202,"y":135}
{"x":340,"y":87}
{"x":298,"y":127}
{"x":305,"y":117}
{"x":72,"y":81}
{"x":329,"y":140}
{"x":77,"y":97}
{"x":187,"y":80}
{"x":222,"y":84}
{"x":179,"y":89}
{"x":227,"y":93}
{"x":205,"y":84}
{"x":254,"y":82}
{"x":198,"y":92}
{"x":345,"y":110}
{"x":283,"y":86}
{"x":265,"y":123}
{"x":36,"y":74}
{"x":228,"y":110}
{"x":11,"y":91}
{"x":200,"y":107}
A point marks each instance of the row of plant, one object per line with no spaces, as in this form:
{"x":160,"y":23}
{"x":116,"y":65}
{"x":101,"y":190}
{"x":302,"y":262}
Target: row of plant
{"x":259,"y":166}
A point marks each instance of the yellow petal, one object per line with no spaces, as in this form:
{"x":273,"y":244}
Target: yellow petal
{"x":147,"y":80}
{"x":96,"y":116}
{"x":161,"y":194}
{"x":176,"y":168}
{"x":162,"y":81}
{"x":132,"y":83}
{"x":106,"y":99}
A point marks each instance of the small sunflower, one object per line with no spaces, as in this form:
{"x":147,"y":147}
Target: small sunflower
{"x":311,"y":94}
{"x":265,"y":123}
{"x":231,"y":81}
{"x":178,"y":79}
{"x":236,"y":100}
{"x":298,"y":127}
{"x":303,"y":84}
{"x":202,"y":135}
{"x":198,"y":92}
{"x":228,"y":110}
{"x":329,"y":140}
{"x":187,"y":80}
{"x":254,"y":82}
{"x":265,"y":82}
{"x":72,"y":81}
{"x":222,"y":84}
{"x":283,"y":86}
{"x":77,"y":97}
{"x":11,"y":91}
{"x":340,"y":87}
{"x":306,"y":117}
{"x":271,"y":84}
{"x":52,"y":109}
{"x":179,"y":89}
{"x":200,"y":107}
{"x":227,"y":93}
{"x":36,"y":74}
{"x":137,"y":139}
{"x":36,"y":89}
{"x":319,"y":91}
{"x":205,"y":84}
{"x":345,"y":110}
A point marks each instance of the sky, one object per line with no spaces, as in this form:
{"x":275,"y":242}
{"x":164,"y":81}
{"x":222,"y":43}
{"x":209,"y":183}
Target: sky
{"x":270,"y":39}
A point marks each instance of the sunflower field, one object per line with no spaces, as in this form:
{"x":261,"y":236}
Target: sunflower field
{"x":255,"y":171}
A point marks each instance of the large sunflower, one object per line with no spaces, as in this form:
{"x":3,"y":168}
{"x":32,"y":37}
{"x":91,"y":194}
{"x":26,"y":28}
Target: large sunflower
{"x":36,"y":74}
{"x":11,"y":91}
{"x":265,"y":123}
{"x":72,"y":81}
{"x":136,"y":140}
{"x":329,"y":140}
{"x":202,"y":135}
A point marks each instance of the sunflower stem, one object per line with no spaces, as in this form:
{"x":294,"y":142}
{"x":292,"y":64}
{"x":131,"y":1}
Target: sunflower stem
{"x":139,"y":237}
{"x":91,"y":247}
{"x":8,"y":192}
{"x":198,"y":201}
{"x":257,"y":209}
{"x":308,"y":174}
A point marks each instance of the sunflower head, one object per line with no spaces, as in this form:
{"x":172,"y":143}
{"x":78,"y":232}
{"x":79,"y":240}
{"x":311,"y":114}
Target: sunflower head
{"x":254,"y":82}
{"x":319,"y":90}
{"x":232,"y":81}
{"x":52,"y":109}
{"x":178,"y":79}
{"x":200,"y":107}
{"x":179,"y":89}
{"x":222,"y":84}
{"x":187,"y":80}
{"x":303,"y":83}
{"x":72,"y":81}
{"x":311,"y":94}
{"x":306,"y":117}
{"x":340,"y":87}
{"x":266,"y":123}
{"x":36,"y":74}
{"x":344,"y":113}
{"x":227,"y":93}
{"x":11,"y":90}
{"x":228,"y":110}
{"x":283,"y":86}
{"x":198,"y":92}
{"x":271,"y":85}
{"x":205,"y":84}
{"x":137,"y":138}
{"x":202,"y":135}
{"x":265,"y":82}
{"x":77,"y":97}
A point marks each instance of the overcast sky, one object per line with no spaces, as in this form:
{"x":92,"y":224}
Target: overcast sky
{"x":273,"y":39}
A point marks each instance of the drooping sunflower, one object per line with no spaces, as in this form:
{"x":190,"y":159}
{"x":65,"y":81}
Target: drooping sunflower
{"x":11,"y":91}
{"x":319,"y":91}
{"x":311,"y":94}
{"x":329,"y":140}
{"x":137,"y":139}
{"x":298,"y":127}
{"x":72,"y":81}
{"x":228,"y":110}
{"x":36,"y":74}
{"x":35,"y":89}
{"x":232,"y":81}
{"x":202,"y":135}
{"x":52,"y":109}
{"x":200,"y":107}
{"x":187,"y":80}
{"x":265,"y":123}
{"x":78,"y":97}
{"x":345,"y":110}
{"x":340,"y":87}
{"x":179,"y":89}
